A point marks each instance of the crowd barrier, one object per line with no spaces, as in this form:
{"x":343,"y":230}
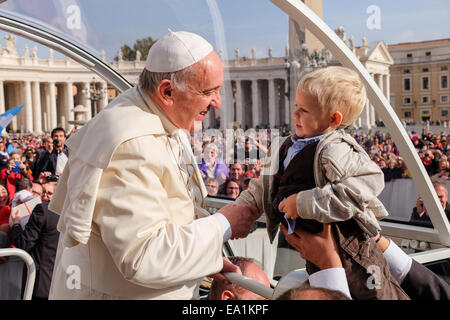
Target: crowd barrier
{"x":399,"y":198}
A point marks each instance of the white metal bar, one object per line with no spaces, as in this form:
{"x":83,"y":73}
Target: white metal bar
{"x":405,"y":231}
{"x":11,"y":23}
{"x":31,"y":274}
{"x":298,"y":11}
{"x":431,"y":255}
{"x":250,"y":284}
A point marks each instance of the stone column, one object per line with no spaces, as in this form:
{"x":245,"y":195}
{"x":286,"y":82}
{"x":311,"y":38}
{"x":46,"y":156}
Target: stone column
{"x":288,"y":111}
{"x":28,"y":107}
{"x":239,"y":107}
{"x":52,"y":107}
{"x":380,"y":83}
{"x":18,"y":122}
{"x":272,"y":107}
{"x":372,"y":109}
{"x":365,"y":116}
{"x":104,"y":100}
{"x":68,"y":105}
{"x":226,"y":110}
{"x":86,"y":98}
{"x":387,"y":86}
{"x":37,"y":118}
{"x":255,"y":103}
{"x":2,"y":98}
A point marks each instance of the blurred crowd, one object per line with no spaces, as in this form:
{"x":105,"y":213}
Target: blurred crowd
{"x":227,"y":171}
{"x":227,"y":175}
{"x":431,"y":148}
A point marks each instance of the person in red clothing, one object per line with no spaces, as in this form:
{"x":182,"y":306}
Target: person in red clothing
{"x":5,"y":211}
{"x":15,"y":170}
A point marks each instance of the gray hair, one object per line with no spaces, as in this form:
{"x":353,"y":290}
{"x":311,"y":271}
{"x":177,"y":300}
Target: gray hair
{"x":149,"y":80}
{"x":438,"y":182}
{"x":218,"y":287}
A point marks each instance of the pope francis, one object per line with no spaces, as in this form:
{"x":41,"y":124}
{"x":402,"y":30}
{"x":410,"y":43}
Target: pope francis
{"x":131,"y":197}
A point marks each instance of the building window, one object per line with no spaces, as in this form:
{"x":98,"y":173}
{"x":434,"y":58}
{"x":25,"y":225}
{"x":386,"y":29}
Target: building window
{"x":444,"y":82}
{"x":444,"y":68}
{"x":407,"y":114}
{"x":407,"y":84}
{"x":426,"y":115}
{"x":444,"y":99}
{"x":425,"y":70}
{"x":406,"y":71}
{"x":409,"y":55}
{"x":425,"y":99}
{"x":444,"y":113}
{"x":406,"y":100}
{"x":428,"y":53}
{"x":425,"y":83}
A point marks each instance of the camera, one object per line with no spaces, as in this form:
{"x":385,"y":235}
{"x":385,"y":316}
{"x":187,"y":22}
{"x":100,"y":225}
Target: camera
{"x":52,"y":178}
{"x":16,"y":169}
{"x":55,"y":142}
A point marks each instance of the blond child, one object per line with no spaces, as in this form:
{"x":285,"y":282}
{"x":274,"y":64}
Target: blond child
{"x":325,"y":176}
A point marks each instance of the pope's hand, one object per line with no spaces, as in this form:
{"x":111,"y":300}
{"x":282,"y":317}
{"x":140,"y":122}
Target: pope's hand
{"x":227,"y":267}
{"x":241,"y":218}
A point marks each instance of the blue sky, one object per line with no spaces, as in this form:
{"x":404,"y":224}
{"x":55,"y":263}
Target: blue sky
{"x":247,"y":23}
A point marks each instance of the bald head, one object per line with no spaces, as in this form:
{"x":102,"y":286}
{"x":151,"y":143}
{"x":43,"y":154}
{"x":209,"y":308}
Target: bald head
{"x":222,"y":291}
{"x":310,"y":293}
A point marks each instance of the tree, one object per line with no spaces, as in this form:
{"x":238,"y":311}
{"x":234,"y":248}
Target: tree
{"x":143,"y":45}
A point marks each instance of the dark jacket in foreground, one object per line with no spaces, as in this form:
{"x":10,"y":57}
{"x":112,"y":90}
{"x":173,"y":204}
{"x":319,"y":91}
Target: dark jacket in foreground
{"x":422,"y":284}
{"x":40,"y":240}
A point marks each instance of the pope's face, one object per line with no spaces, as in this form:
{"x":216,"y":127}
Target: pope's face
{"x":201,"y":93}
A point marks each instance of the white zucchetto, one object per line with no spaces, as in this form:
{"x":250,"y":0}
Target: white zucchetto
{"x":176,"y":51}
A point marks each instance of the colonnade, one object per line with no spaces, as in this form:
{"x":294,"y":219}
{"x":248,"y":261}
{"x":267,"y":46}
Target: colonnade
{"x":256,"y":102}
{"x":50,"y":104}
{"x":368,"y":117}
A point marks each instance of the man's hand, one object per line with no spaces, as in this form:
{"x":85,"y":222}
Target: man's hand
{"x":15,"y":217}
{"x":227,"y":267}
{"x":289,"y":207}
{"x":241,"y":218}
{"x":320,"y":249}
{"x":420,"y":206}
{"x":43,"y":177}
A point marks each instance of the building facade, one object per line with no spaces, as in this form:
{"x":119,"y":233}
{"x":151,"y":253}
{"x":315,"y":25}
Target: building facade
{"x":257,"y":92}
{"x":420,"y":89}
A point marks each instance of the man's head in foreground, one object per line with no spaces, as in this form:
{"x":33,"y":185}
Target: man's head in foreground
{"x":230,"y":291}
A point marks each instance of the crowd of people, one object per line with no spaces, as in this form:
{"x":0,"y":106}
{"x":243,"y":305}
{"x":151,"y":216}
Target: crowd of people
{"x":229,"y":180}
{"x":30,"y":167}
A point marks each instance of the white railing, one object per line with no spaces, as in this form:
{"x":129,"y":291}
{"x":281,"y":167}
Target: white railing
{"x":31,"y":274}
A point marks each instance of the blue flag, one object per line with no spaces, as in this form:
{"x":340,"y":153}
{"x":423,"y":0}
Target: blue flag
{"x":6,"y":117}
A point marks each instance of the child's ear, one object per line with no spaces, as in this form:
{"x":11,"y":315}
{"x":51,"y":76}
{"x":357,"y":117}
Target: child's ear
{"x":336,"y":118}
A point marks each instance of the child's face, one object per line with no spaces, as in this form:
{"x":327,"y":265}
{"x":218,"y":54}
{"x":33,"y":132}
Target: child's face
{"x":308,"y":118}
{"x":15,"y":157}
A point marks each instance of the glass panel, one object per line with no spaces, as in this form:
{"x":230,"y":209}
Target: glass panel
{"x":441,"y":268}
{"x":264,"y":59}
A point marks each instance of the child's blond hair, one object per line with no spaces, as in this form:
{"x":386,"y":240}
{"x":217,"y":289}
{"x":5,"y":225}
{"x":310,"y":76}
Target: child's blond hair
{"x":336,"y":89}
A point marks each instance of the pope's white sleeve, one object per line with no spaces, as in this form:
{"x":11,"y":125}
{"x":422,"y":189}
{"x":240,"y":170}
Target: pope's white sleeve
{"x":135,"y":217}
{"x":225,"y":224}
